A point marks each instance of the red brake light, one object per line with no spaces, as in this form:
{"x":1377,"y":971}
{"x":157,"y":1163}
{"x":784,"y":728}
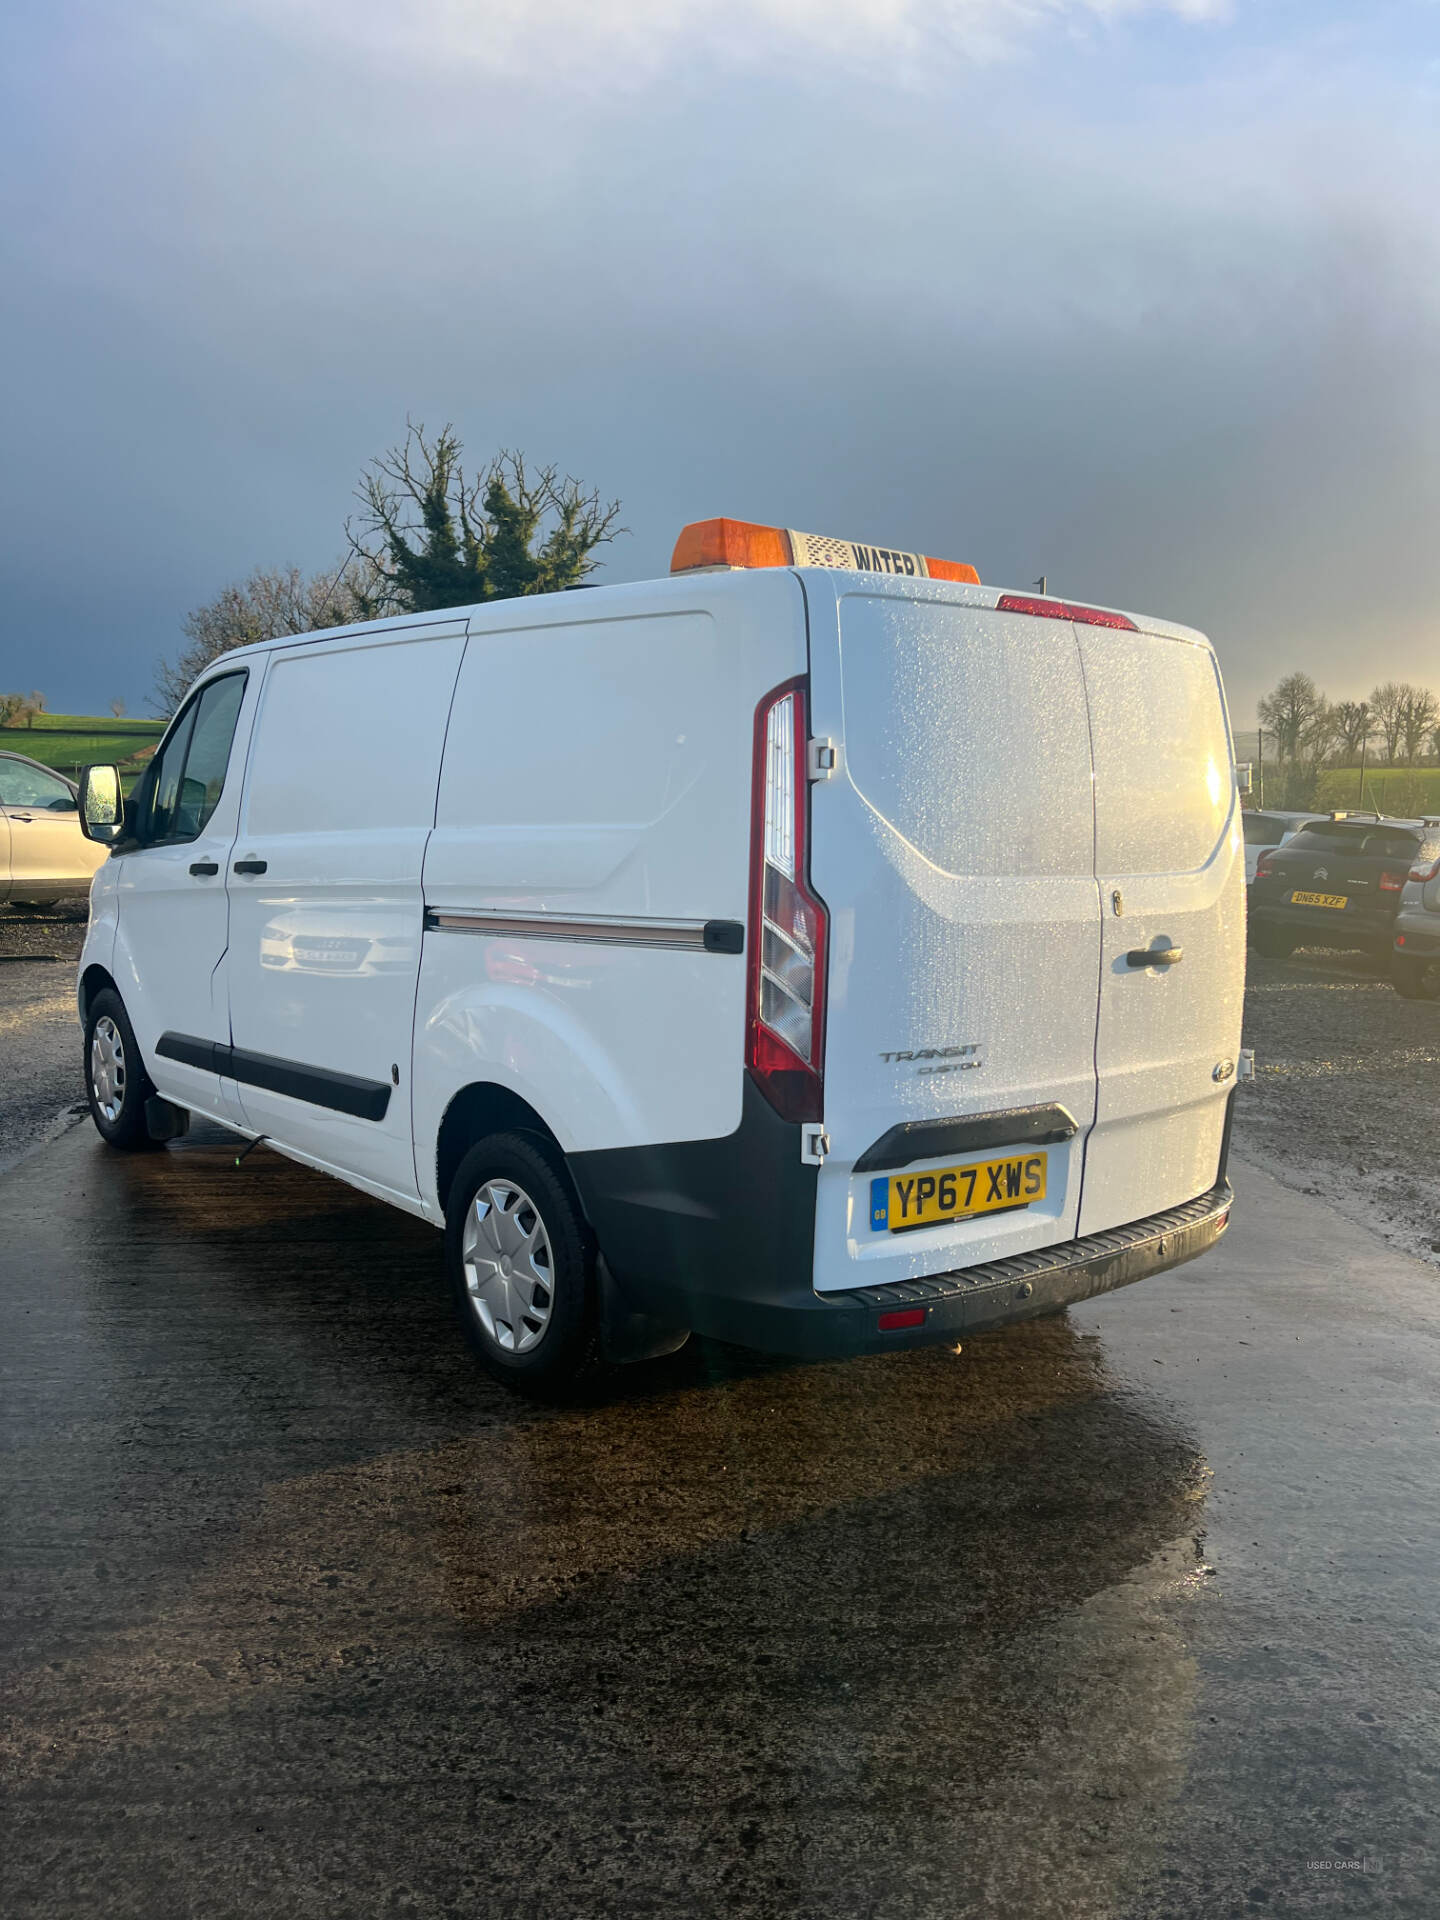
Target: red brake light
{"x":785,"y":1015}
{"x":1391,"y":882}
{"x":1264,"y":866}
{"x":1063,"y":610}
{"x":1426,"y":873}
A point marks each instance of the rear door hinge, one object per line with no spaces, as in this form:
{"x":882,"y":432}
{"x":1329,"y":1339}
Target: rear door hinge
{"x":814,"y":1145}
{"x":1245,"y":1065}
{"x":822,"y":759}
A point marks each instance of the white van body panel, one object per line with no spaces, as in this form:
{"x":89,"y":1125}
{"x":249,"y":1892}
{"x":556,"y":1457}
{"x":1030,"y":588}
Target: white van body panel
{"x":325,"y":943}
{"x":172,"y":930}
{"x":597,"y":773}
{"x":1169,"y":855}
{"x":954,"y":852}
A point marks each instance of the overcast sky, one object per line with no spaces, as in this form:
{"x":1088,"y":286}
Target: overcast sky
{"x":1142,"y":294}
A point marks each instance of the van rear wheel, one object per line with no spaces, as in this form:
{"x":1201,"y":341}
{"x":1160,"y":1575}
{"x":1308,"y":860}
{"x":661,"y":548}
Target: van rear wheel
{"x":521,"y":1262}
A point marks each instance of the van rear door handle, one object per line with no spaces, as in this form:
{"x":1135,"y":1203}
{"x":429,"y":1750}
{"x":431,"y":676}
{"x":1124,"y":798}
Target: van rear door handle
{"x":250,"y":866}
{"x":1154,"y":956}
{"x":204,"y":869}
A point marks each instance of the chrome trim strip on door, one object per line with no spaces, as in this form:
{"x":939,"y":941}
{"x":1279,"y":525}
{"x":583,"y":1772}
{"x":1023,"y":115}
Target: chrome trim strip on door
{"x":714,"y":936}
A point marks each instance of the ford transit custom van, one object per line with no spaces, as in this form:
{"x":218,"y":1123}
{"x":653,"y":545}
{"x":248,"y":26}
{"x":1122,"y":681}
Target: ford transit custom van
{"x":815,"y":949}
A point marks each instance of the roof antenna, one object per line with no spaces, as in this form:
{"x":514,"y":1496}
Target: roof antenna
{"x":1040,"y":583}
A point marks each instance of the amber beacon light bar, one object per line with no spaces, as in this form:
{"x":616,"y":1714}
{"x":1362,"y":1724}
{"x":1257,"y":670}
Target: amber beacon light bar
{"x":739,"y":543}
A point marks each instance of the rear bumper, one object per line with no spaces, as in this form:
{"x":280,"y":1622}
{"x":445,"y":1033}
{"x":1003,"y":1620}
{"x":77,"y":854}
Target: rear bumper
{"x":1323,"y":926}
{"x":820,"y":1326}
{"x":1422,"y":942}
{"x":718,"y":1236}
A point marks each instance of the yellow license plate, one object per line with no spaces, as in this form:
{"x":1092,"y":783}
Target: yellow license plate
{"x":904,"y":1200}
{"x":1319,"y":899}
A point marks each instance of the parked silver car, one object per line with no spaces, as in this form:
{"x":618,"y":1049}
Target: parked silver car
{"x":1415,"y":954}
{"x":43,"y":854}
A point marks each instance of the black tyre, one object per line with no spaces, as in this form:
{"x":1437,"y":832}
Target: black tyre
{"x":116,"y":1082}
{"x":1273,"y":942}
{"x":521,"y":1262}
{"x":1415,"y":979}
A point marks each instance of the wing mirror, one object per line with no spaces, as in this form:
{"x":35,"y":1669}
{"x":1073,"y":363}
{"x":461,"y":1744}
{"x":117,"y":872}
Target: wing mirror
{"x":102,"y":805}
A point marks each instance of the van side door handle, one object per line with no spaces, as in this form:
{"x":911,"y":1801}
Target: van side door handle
{"x":1154,"y":956}
{"x":250,"y":866}
{"x":205,"y":869}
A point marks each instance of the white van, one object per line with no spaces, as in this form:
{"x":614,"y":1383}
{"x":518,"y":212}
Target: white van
{"x":816,"y":949}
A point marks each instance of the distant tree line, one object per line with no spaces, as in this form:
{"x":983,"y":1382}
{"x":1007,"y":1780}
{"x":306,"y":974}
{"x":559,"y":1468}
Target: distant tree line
{"x":427,"y":536}
{"x":1303,"y":733}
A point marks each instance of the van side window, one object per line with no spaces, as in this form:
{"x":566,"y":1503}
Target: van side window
{"x":188,"y":776}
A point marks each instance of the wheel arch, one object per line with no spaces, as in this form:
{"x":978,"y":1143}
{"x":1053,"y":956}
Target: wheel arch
{"x":93,"y":980}
{"x":483,"y":1108}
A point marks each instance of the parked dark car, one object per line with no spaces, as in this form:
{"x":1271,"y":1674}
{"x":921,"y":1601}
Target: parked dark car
{"x":1415,"y":957}
{"x":1337,"y":883}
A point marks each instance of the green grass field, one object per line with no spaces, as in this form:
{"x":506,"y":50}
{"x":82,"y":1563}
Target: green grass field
{"x":69,"y":741}
{"x":1394,"y":790}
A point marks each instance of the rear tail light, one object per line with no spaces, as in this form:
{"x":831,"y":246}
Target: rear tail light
{"x":1426,"y":873}
{"x":785,"y":1017}
{"x":1265,"y":866}
{"x":1391,"y":882}
{"x":1063,"y":610}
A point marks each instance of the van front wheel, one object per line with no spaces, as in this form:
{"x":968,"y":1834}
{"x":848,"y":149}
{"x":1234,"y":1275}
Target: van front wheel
{"x":522,"y":1266}
{"x":116,"y":1082}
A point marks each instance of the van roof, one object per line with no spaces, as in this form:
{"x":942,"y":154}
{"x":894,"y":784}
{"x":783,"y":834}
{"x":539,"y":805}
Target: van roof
{"x":615,"y":598}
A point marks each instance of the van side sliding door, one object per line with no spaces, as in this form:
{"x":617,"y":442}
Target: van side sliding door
{"x":325,"y":896}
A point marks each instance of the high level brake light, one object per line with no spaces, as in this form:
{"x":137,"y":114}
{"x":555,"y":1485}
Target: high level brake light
{"x":740,"y":543}
{"x":1046,"y":609}
{"x":785,"y":1015}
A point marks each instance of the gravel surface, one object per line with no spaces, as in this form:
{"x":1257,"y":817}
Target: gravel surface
{"x":1346,"y":1097}
{"x":41,"y":1091}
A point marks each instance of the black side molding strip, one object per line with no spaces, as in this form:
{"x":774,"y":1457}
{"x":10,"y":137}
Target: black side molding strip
{"x":932,"y":1139}
{"x":318,"y":1086}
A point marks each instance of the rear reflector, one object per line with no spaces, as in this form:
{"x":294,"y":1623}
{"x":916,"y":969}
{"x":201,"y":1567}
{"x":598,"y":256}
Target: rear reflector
{"x":741,"y":543}
{"x":902,"y":1317}
{"x":1063,"y":610}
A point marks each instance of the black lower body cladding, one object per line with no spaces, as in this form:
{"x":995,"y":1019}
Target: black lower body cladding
{"x":718,"y":1236}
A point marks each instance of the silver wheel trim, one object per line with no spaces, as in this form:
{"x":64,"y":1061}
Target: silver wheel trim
{"x":509,"y":1266}
{"x":107,"y":1068}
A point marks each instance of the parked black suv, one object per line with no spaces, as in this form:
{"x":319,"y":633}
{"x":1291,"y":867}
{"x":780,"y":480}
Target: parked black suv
{"x":1337,"y":883}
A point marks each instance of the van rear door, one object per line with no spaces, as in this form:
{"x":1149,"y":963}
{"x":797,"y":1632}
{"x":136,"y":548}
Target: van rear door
{"x":1170,"y":860}
{"x":954,"y":849}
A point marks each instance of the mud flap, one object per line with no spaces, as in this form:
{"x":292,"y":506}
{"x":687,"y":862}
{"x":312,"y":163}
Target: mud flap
{"x":627,"y":1332}
{"x":164,"y":1120}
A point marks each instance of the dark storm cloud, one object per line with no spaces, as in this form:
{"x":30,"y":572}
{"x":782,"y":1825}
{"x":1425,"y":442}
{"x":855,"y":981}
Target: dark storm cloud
{"x":1151,"y":311}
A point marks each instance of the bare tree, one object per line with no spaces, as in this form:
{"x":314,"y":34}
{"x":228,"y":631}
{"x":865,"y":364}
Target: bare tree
{"x":117,"y":707}
{"x":270,"y":602}
{"x":1387,"y":703}
{"x":1419,"y":712}
{"x":431,"y":537}
{"x":32,"y":707}
{"x":1289,"y":711}
{"x":1353,"y":726}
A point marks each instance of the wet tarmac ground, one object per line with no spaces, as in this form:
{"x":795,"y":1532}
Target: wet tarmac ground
{"x":1130,"y":1613}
